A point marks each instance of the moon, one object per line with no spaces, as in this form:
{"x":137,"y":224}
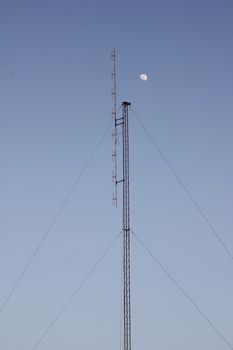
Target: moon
{"x":144,"y":77}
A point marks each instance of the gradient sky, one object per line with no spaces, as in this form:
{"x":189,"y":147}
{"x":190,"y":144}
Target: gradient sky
{"x":55,"y":103}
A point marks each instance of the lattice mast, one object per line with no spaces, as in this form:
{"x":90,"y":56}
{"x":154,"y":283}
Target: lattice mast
{"x":122,"y":123}
{"x":126,"y":228}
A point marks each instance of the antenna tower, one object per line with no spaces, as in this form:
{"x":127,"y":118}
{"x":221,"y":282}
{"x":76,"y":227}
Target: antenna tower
{"x":126,"y":228}
{"x":122,"y":122}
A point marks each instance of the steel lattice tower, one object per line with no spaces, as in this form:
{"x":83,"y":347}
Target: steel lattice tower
{"x":122,"y":122}
{"x":126,"y":228}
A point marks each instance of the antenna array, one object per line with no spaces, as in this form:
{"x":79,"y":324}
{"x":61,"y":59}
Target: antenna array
{"x":114,"y":130}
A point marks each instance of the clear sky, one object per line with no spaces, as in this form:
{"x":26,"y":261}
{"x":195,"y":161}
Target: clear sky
{"x":55,"y":103}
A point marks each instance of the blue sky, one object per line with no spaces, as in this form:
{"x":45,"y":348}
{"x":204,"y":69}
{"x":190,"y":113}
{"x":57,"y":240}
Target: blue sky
{"x":55,"y":91}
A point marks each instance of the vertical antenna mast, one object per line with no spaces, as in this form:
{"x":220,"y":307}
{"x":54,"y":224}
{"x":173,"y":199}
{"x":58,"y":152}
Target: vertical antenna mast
{"x":126,"y":228}
{"x":123,"y":123}
{"x":114,"y":130}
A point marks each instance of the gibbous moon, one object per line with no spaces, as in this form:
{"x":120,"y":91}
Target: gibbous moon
{"x":143,"y":77}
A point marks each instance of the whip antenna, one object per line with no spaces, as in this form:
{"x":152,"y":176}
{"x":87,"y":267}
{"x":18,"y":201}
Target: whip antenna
{"x":114,"y":130}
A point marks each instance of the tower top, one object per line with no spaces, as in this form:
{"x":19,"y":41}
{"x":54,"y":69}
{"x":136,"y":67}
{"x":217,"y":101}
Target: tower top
{"x":125,"y":103}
